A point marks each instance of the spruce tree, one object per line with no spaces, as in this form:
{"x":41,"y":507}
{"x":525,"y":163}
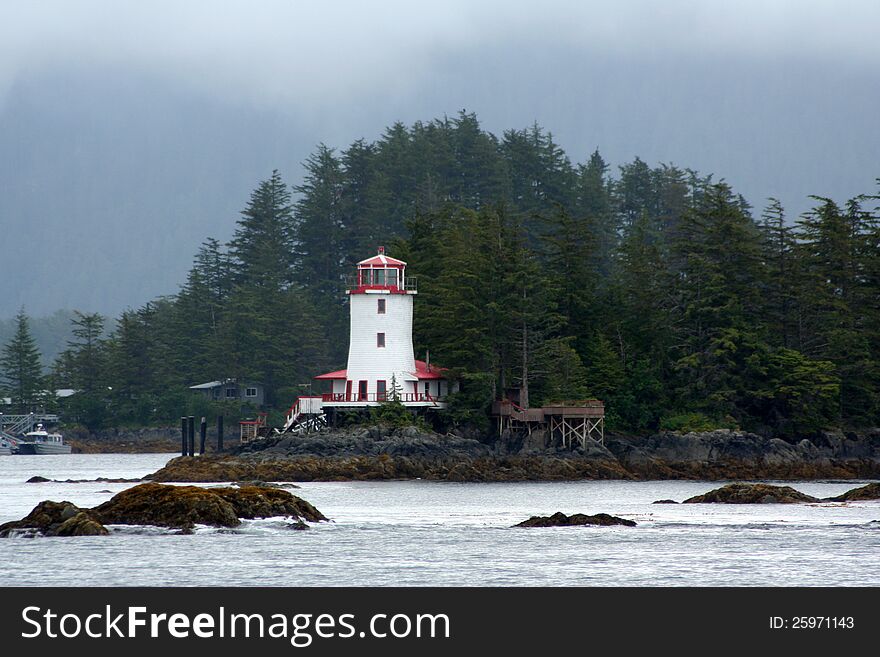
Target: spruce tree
{"x":21,"y":369}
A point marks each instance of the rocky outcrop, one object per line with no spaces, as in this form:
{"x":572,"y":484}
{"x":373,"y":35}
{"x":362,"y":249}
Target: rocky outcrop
{"x":559,"y":519}
{"x":185,"y":506}
{"x":376,"y":453}
{"x":179,"y":507}
{"x":725,"y":454}
{"x":384,"y":467}
{"x":752,"y":494}
{"x":82,"y":524}
{"x":54,"y":519}
{"x":869,"y":492}
{"x":167,"y":506}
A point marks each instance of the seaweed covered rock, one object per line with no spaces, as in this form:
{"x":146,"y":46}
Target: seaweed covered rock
{"x":55,"y":519}
{"x":263,"y":502}
{"x":752,"y":494}
{"x":869,"y":492}
{"x":82,"y":524}
{"x":185,"y":506}
{"x":167,"y":506}
{"x":178,"y":507}
{"x":559,"y":519}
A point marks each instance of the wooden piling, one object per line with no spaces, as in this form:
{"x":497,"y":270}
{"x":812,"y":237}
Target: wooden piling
{"x":191,"y":431}
{"x":203,"y":434}
{"x":219,"y":433}
{"x":183,"y":441}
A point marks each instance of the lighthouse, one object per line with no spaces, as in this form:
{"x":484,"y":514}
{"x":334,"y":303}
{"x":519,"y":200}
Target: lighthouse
{"x":382,"y":366}
{"x":380,"y":348}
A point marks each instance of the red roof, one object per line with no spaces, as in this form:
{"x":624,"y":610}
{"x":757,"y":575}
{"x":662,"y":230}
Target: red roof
{"x":381,"y":260}
{"x":422,"y":372}
{"x":338,"y":374}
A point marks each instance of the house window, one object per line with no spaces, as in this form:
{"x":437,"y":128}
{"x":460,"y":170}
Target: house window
{"x":380,"y":339}
{"x":381,"y":306}
{"x":427,"y":389}
{"x":250,"y":392}
{"x":380,"y":390}
{"x":362,"y":391}
{"x":231,"y":393}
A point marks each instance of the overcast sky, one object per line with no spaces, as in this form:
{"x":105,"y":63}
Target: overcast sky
{"x":779,"y":98}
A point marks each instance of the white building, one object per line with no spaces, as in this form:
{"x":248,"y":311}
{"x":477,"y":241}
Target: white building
{"x":381,"y":362}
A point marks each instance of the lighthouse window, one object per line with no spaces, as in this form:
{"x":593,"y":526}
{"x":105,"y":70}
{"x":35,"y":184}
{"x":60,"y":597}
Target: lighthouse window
{"x":381,"y":309}
{"x":380,"y":390}
{"x":380,"y":339}
{"x":379,"y":277}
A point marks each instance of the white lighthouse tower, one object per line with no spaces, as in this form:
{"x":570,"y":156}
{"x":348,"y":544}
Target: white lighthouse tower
{"x":381,"y":362}
{"x":380,"y":351}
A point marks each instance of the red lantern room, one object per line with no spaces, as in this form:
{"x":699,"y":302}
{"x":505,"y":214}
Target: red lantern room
{"x":381,"y":273}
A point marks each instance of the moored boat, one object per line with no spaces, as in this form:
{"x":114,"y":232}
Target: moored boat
{"x":41,"y":441}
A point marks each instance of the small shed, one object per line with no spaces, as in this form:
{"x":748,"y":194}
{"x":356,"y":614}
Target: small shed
{"x":249,"y":392}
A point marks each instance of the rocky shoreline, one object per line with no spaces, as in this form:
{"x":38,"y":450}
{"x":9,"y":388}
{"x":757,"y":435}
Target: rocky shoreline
{"x":382,"y":453}
{"x":123,"y":441}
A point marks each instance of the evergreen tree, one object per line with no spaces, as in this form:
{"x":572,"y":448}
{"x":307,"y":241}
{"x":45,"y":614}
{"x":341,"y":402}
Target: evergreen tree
{"x":262,"y":249}
{"x":20,"y":367}
{"x":778,"y":247}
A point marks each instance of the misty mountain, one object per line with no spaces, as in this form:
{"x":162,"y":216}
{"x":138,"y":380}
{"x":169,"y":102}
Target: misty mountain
{"x":130,"y":134}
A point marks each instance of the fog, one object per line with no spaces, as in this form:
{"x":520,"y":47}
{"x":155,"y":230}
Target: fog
{"x":130,"y":131}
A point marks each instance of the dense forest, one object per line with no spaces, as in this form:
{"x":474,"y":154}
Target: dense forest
{"x":657,"y":289}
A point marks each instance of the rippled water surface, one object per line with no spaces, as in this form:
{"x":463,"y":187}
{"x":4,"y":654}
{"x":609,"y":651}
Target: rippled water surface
{"x":430,"y":533}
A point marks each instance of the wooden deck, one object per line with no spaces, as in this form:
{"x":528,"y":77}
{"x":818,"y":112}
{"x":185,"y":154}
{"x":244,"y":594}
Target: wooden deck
{"x":567,"y":421}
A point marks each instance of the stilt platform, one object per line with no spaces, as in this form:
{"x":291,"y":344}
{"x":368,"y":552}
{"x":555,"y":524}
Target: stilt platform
{"x":567,"y":422}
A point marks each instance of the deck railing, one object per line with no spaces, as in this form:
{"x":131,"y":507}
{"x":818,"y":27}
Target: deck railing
{"x":403,"y":397}
{"x":410,"y":284}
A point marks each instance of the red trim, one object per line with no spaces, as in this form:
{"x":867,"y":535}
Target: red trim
{"x":374,"y":397}
{"x":362,"y":289}
{"x":377,"y":261}
{"x":348,"y":389}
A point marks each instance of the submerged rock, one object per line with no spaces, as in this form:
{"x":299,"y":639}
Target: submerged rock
{"x":104,"y":480}
{"x":752,"y":494}
{"x":665,"y":502}
{"x":559,"y":519}
{"x":869,"y":492}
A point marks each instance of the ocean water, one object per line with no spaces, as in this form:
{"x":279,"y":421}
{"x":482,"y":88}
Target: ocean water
{"x":420,"y":533}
